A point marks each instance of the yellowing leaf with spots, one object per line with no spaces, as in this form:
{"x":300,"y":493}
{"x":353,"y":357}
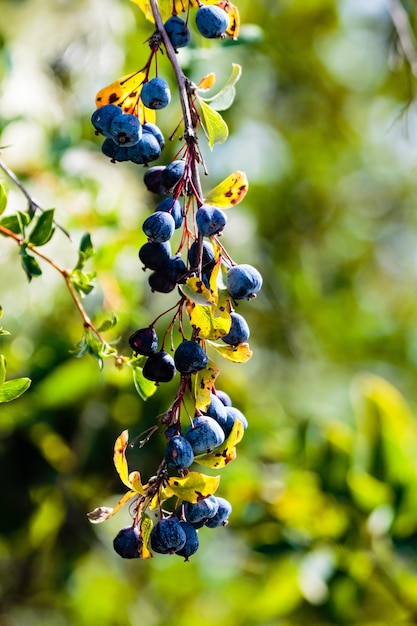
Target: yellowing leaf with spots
{"x":125,"y":92}
{"x":229,"y":192}
{"x":233,"y":12}
{"x":236,"y":354}
{"x":209,"y":322}
{"x":146,"y":526}
{"x":194,"y":486}
{"x":203,"y":383}
{"x":224,"y":453}
{"x":195,"y":290}
{"x":131,"y":480}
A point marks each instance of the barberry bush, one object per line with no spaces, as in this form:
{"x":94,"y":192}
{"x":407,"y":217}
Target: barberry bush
{"x":116,"y":212}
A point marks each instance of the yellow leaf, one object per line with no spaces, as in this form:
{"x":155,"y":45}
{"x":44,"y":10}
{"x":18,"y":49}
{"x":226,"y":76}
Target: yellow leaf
{"x":203,"y":384}
{"x":226,"y":452}
{"x":195,"y":290}
{"x":119,"y":457}
{"x":209,"y":322}
{"x":135,"y":482}
{"x":164,"y":494}
{"x":194,"y":486}
{"x":236,"y":354}
{"x":166,"y":7}
{"x":229,"y":192}
{"x":125,"y":92}
{"x":233,"y":12}
{"x":207,"y":82}
{"x":146,"y":526}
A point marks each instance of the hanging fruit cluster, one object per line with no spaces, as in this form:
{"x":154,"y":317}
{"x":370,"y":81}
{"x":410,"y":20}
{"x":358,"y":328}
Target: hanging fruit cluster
{"x":196,"y":264}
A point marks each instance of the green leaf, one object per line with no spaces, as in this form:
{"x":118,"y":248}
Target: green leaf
{"x":85,"y":251}
{"x":3,"y":197}
{"x":13,"y":223}
{"x":29,"y":264}
{"x":2,"y":369}
{"x":214,"y":125}
{"x":224,"y":98}
{"x":82,"y":281}
{"x":144,"y":387}
{"x":12,"y":389}
{"x":194,"y":486}
{"x":43,"y":228}
{"x":107,"y":324}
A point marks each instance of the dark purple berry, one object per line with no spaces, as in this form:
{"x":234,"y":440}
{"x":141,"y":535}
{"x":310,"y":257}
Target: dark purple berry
{"x":144,"y":341}
{"x":159,"y":367}
{"x":127,"y":543}
{"x":208,"y":260}
{"x":155,"y":254}
{"x":162,"y":283}
{"x":152,"y":179}
{"x":190,"y":357}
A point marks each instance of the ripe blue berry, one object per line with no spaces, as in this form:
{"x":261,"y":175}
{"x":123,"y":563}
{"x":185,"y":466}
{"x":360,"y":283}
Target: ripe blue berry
{"x":191,"y":541}
{"x":115,"y":152}
{"x":144,"y":341}
{"x":179,"y":453}
{"x":204,"y":434}
{"x":146,"y":150}
{"x":152,"y":179}
{"x":243,"y":282}
{"x":154,"y":130}
{"x":190,"y":357}
{"x":222,"y":515}
{"x":125,"y":130}
{"x":208,"y":260}
{"x":211,"y":21}
{"x":234,"y":413}
{"x":155,"y":254}
{"x":178,"y":32}
{"x":224,"y":397}
{"x":159,"y":367}
{"x":210,"y":220}
{"x":172,"y":173}
{"x":159,"y":226}
{"x":155,"y":93}
{"x":127,"y":543}
{"x":167,"y":536}
{"x":162,"y":283}
{"x":239,"y":330}
{"x":170,"y":205}
{"x":176,"y":269}
{"x":200,"y":511}
{"x":102,"y":118}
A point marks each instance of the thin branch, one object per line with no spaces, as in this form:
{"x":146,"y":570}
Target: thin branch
{"x":405,"y":33}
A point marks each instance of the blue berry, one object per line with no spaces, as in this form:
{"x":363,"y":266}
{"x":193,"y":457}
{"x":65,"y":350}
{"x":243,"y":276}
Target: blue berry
{"x":218,"y":412}
{"x":178,"y":32}
{"x":191,"y":541}
{"x":211,"y":21}
{"x":204,"y":434}
{"x":208,"y":260}
{"x":159,"y":367}
{"x":153,"y":129}
{"x":234,"y":413}
{"x":144,"y":341}
{"x":146,"y":150}
{"x":167,"y":536}
{"x":176,"y":269}
{"x":224,"y":397}
{"x":243,"y":282}
{"x":127,"y":543}
{"x":159,"y":226}
{"x":190,"y":357}
{"x":200,"y":511}
{"x":162,"y":283}
{"x":115,"y":152}
{"x":239,"y":330}
{"x":155,"y":93}
{"x":179,"y":453}
{"x":174,"y":207}
{"x":222,"y":515}
{"x":210,"y":220}
{"x":172,"y":173}
{"x":125,"y":130}
{"x":155,"y":254}
{"x":102,"y":118}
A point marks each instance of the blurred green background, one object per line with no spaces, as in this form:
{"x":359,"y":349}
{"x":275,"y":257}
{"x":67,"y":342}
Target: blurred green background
{"x":324,"y":489}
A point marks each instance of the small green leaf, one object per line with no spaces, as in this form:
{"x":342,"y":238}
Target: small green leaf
{"x":11,"y":222}
{"x":43,"y":228}
{"x":82,"y":281}
{"x":12,"y":389}
{"x":29,"y":264}
{"x":107,"y":324}
{"x":3,"y":197}
{"x":2,"y":369}
{"x":85,"y":251}
{"x":144,"y":387}
{"x":224,"y":98}
{"x":214,"y":125}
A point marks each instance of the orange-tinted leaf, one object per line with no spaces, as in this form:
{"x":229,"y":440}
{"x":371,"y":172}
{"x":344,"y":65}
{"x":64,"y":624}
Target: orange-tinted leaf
{"x":125,"y":92}
{"x":226,"y":452}
{"x":194,"y":486}
{"x":236,"y":354}
{"x":207,"y":82}
{"x":233,"y":12}
{"x":203,"y":384}
{"x":229,"y":192}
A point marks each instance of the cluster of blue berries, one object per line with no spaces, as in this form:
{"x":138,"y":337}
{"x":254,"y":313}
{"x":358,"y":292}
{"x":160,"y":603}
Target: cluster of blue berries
{"x":211,"y":21}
